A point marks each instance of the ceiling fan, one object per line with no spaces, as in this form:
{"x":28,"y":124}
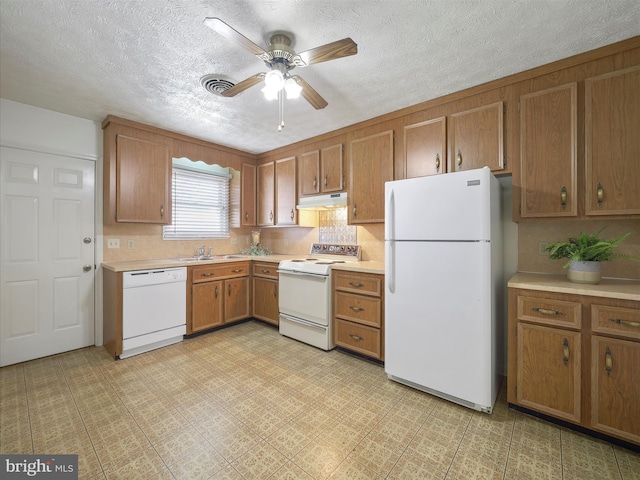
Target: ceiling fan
{"x":280,"y":58}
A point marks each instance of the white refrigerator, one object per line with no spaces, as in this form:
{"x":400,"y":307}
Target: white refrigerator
{"x":443,"y":285}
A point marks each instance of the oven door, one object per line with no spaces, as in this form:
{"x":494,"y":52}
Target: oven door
{"x":305,"y":296}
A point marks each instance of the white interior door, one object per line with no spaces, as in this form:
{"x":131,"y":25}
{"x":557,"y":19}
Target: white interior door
{"x":47,"y":269}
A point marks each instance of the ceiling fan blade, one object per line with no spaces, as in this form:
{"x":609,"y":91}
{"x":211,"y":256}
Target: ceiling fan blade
{"x":330,"y":51}
{"x":236,"y":37}
{"x":243,"y":85}
{"x":309,"y":94}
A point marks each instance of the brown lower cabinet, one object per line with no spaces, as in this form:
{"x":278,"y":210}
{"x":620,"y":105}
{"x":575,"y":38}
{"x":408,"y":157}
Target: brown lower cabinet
{"x":265,"y":292}
{"x":576,"y":358}
{"x":217,"y":294}
{"x":358,"y":312}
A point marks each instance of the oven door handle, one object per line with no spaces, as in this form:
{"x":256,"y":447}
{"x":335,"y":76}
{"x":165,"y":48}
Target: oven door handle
{"x":303,"y":274}
{"x":303,"y":322}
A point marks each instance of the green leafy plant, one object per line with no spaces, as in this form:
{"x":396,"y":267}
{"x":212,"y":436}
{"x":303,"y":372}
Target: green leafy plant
{"x":588,"y":248}
{"x":255,"y":249}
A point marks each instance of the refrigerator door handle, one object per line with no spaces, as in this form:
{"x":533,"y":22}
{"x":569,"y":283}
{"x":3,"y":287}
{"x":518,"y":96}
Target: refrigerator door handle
{"x":390,"y":266}
{"x":389,"y":223}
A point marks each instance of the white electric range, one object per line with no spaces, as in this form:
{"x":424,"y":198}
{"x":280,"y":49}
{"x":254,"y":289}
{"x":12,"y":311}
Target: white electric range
{"x":305,"y":293}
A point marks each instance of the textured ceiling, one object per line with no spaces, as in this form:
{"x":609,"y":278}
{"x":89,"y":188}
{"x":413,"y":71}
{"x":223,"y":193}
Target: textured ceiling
{"x":143,"y":59}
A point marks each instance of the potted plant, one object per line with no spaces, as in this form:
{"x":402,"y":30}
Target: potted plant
{"x":585,"y":253}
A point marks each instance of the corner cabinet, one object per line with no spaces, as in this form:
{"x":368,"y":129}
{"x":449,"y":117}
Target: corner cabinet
{"x":576,"y":357}
{"x":248,"y":195}
{"x":265,"y":292}
{"x":612,"y":148}
{"x":358,"y":312}
{"x":137,"y":176}
{"x":321,"y":171}
{"x":370,"y":166}
{"x":217,"y":294}
{"x":276,"y":193}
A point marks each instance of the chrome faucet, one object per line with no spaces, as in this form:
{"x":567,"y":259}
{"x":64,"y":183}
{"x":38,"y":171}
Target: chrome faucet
{"x":201,"y":251}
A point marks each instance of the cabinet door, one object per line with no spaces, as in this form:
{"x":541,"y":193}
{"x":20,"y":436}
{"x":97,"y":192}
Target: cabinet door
{"x":143,"y":185}
{"x":615,"y":387}
{"x":207,"y":305}
{"x":286,"y":191}
{"x":266,"y":194}
{"x":265,"y":299}
{"x":370,"y":166}
{"x":548,"y":142}
{"x":310,"y":173}
{"x":549,"y":363}
{"x":476,"y":138}
{"x":248,"y":195}
{"x":612,"y":148}
{"x":425,"y":147}
{"x":236,"y":302}
{"x":331,"y":173}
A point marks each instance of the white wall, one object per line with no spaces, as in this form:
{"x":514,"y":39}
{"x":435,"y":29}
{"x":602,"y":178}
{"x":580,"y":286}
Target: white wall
{"x":36,"y":129}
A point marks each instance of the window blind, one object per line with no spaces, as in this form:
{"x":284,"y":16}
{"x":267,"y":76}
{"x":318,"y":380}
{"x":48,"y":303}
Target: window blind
{"x":200,"y":205}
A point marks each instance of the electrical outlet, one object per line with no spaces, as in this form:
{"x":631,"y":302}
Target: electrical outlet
{"x":113,"y":243}
{"x":131,"y":244}
{"x":541,"y":247}
{"x":234,"y":240}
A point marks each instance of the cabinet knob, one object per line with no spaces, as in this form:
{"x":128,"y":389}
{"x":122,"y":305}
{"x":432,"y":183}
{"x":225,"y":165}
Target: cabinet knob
{"x":459,"y":159}
{"x":161,"y":211}
{"x":292,"y":215}
{"x":600,"y":194}
{"x":246,"y":215}
{"x":325,"y":179}
{"x":437,"y":161}
{"x":355,"y":210}
{"x":563,"y":197}
{"x":315,"y":182}
{"x":271,"y":216}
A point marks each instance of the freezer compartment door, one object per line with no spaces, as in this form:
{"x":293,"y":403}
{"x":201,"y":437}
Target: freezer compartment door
{"x":440,"y":327}
{"x":455,"y":206}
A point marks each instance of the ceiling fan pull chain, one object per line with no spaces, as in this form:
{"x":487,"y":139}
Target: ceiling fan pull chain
{"x":281,"y":110}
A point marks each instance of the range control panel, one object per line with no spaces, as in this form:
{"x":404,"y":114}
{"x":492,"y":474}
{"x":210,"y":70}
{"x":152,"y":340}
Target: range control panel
{"x":331,"y":249}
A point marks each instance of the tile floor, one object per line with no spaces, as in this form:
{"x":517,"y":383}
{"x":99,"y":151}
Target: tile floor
{"x":246,"y":403}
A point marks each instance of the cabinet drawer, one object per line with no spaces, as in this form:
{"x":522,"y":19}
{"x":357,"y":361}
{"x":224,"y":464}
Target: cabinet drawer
{"x":266,"y":270}
{"x":358,"y":308}
{"x":615,"y":320}
{"x":549,"y":311}
{"x":364,"y":284}
{"x":359,"y":338}
{"x":206,"y":273}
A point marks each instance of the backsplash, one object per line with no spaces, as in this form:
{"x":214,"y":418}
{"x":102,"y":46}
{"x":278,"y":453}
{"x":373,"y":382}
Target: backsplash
{"x":334,"y":228}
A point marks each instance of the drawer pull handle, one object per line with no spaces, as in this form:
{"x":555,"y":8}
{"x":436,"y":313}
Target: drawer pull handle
{"x":563,"y":197}
{"x":437,"y":162}
{"x":315,"y":182}
{"x":356,"y":337}
{"x":275,"y":291}
{"x":547,"y":311}
{"x":229,"y":290}
{"x":608,"y":361}
{"x":629,"y":323}
{"x":207,"y":274}
{"x":216,"y":294}
{"x":246,"y":215}
{"x":565,"y":352}
{"x":356,"y":309}
{"x":325,"y":179}
{"x":600,"y":194}
{"x":266,"y":271}
{"x":237,"y":270}
{"x":356,"y":284}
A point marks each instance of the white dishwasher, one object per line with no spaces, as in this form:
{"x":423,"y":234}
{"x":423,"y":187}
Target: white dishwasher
{"x":154,"y":309}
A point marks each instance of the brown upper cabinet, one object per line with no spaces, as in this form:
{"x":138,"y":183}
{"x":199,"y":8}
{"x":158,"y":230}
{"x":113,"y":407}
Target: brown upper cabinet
{"x":248,"y":195}
{"x":277,"y":193}
{"x":476,"y":138}
{"x":548,"y":152}
{"x":143,"y":181}
{"x":425,"y":146}
{"x":286,"y":191}
{"x":321,"y":171}
{"x":370,"y":166}
{"x":612,"y":143}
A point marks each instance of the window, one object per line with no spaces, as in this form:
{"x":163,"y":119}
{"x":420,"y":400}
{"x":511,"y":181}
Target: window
{"x":200,"y":203}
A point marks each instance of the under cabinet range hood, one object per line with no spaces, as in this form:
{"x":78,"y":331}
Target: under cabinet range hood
{"x":322,"y":202}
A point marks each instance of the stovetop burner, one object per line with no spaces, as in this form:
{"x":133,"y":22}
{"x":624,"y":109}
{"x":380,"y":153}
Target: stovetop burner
{"x":327,"y":255}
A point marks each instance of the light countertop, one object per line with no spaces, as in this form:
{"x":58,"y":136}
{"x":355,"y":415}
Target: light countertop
{"x":609,"y":288}
{"x":132,"y":265}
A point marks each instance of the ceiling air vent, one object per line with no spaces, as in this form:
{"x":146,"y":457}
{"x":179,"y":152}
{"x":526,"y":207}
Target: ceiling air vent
{"x":215,"y":84}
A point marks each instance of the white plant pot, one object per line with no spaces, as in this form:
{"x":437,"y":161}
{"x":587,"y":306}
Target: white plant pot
{"x":584,"y":272}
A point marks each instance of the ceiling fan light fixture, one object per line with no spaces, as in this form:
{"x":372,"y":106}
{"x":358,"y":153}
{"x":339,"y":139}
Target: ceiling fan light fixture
{"x":270,"y":93}
{"x":274,"y":80}
{"x":292,"y":88}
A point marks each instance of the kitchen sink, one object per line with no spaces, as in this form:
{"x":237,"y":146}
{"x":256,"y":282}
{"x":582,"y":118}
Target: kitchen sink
{"x":196,"y":259}
{"x":236,"y":256}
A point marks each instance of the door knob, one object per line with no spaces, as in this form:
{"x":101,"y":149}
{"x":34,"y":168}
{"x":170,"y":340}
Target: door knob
{"x":86,"y":268}
{"x":86,"y":239}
